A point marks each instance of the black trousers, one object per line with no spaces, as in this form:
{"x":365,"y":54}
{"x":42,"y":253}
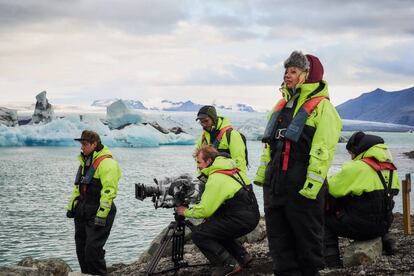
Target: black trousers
{"x":352,"y":227}
{"x":294,"y":226}
{"x":90,"y":240}
{"x":217,"y":236}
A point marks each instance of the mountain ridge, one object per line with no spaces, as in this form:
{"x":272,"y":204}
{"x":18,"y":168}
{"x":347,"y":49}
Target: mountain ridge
{"x":381,"y":106}
{"x":168,"y":105}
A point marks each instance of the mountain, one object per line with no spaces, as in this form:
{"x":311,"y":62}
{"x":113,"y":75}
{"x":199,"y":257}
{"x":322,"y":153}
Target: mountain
{"x":181,"y":106}
{"x":129,"y":103}
{"x":167,"y":105}
{"x":381,"y":106}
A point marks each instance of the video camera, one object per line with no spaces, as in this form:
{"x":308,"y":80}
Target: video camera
{"x":171,"y":192}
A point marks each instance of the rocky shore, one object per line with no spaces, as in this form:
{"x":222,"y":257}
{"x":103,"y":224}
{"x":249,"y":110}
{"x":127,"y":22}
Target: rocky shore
{"x":402,"y":263}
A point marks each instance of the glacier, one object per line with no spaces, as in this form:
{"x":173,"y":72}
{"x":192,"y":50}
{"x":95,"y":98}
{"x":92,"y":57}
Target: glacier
{"x":129,"y":128}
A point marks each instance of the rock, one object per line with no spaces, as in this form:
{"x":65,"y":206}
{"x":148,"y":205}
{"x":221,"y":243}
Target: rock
{"x":19,"y":271}
{"x":176,"y":130}
{"x":257,"y":235}
{"x":410,"y":154}
{"x":8,"y":117}
{"x":51,"y":266}
{"x":362,"y":252}
{"x":158,"y":127}
{"x":31,"y":267}
{"x":43,"y":111}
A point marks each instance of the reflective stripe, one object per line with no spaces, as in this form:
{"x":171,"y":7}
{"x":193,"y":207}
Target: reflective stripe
{"x":316,"y":177}
{"x":105,"y":204}
{"x":264,"y":163}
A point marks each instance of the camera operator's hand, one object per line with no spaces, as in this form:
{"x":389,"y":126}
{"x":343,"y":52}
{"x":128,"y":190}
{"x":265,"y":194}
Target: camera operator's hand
{"x":180,"y":210}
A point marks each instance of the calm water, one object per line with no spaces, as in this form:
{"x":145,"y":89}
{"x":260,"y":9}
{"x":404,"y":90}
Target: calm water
{"x":36,"y":184}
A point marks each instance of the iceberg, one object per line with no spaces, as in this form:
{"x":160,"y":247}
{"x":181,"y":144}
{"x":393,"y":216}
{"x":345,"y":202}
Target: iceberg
{"x":118,"y":115}
{"x":8,"y":117}
{"x":62,"y":131}
{"x":43,"y":111}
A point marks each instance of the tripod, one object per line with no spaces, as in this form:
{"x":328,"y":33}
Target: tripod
{"x":176,"y":232}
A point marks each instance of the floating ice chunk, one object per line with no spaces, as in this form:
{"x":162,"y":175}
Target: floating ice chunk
{"x":118,"y":115}
{"x":43,"y":111}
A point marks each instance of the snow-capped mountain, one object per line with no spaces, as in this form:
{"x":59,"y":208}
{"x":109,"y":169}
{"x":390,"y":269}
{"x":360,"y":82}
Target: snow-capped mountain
{"x":129,"y":103}
{"x":168,"y":105}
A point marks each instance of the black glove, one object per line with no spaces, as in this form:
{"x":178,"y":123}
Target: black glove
{"x":100,"y":222}
{"x":70,"y":214}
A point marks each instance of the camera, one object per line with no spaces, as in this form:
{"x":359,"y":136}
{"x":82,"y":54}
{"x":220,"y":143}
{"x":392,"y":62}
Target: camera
{"x":171,"y":192}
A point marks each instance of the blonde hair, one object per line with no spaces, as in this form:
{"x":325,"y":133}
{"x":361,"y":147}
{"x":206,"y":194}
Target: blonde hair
{"x":302,"y":76}
{"x":208,"y":151}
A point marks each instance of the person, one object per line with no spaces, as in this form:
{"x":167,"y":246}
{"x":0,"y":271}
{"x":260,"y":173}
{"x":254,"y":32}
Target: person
{"x":230,"y":211}
{"x":300,"y":141}
{"x":217,"y":131}
{"x":91,"y":204}
{"x":363,"y":193}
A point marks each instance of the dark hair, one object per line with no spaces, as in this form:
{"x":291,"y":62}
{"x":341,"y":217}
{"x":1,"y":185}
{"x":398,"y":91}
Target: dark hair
{"x":208,"y":151}
{"x":89,"y":136}
{"x":360,"y":142}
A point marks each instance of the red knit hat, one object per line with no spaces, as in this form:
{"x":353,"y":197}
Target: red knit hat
{"x":315,"y":70}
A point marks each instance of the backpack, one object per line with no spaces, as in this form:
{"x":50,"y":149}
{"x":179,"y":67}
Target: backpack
{"x":217,"y":141}
{"x":228,"y":135}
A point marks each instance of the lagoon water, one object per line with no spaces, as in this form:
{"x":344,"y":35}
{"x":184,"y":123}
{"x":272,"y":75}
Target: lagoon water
{"x":36,"y":183}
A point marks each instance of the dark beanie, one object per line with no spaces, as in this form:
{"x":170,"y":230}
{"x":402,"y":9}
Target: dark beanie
{"x":360,"y":142}
{"x":315,"y":69}
{"x":207,"y":111}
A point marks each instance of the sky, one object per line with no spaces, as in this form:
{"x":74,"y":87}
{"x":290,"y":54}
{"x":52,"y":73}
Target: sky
{"x":224,"y":52}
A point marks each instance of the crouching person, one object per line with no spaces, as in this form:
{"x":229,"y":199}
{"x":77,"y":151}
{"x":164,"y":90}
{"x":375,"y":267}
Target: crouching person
{"x":362,"y":196}
{"x":229,"y":207}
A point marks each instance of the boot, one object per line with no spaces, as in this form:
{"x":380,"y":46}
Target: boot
{"x":229,"y":267}
{"x":388,"y":244}
{"x":245,"y":260}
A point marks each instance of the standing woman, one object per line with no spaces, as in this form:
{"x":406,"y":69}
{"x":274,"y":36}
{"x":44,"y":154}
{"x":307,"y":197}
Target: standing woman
{"x":300,"y":141}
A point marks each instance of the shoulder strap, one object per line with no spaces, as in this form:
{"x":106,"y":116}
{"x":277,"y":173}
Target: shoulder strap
{"x":98,"y":160}
{"x":228,"y":135}
{"x":378,"y":167}
{"x":88,"y":176}
{"x":203,"y":139}
{"x":280,"y":105}
{"x":231,"y":173}
{"x":312,"y":103}
{"x":220,"y":136}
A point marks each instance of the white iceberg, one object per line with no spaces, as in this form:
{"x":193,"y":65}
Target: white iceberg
{"x":61,"y":132}
{"x":118,"y":115}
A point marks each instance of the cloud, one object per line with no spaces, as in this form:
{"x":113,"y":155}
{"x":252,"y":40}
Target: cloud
{"x":258,"y":74}
{"x":141,"y":17}
{"x":102,"y":48}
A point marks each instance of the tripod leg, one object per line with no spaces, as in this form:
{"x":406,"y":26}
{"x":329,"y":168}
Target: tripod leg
{"x":178,"y":245}
{"x":161,"y":248}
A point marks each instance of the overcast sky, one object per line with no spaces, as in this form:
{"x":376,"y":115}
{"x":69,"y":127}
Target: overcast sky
{"x":205,"y":51}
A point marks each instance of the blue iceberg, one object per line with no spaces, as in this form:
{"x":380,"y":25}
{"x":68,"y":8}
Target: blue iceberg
{"x":62,"y":131}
